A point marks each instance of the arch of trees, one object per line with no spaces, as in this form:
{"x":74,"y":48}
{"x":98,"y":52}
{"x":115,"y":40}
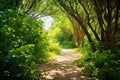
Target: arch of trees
{"x":101,"y":17}
{"x":21,"y":34}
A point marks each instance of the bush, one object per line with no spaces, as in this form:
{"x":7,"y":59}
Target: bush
{"x":109,"y":73}
{"x":68,"y":43}
{"x":36,"y":35}
{"x":23,"y":42}
{"x":18,"y":64}
{"x":63,"y":35}
{"x":103,"y":64}
{"x":54,"y":47}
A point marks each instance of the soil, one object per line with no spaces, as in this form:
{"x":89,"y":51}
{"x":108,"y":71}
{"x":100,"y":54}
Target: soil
{"x":62,"y":67}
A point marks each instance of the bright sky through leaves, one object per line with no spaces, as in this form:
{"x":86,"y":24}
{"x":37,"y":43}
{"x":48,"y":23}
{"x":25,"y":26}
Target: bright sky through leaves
{"x":47,"y":21}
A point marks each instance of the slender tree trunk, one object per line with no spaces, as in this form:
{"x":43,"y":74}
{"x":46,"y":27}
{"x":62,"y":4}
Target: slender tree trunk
{"x":99,"y":10}
{"x":116,"y":17}
{"x":86,"y":31}
{"x":78,"y":19}
{"x":88,"y":22}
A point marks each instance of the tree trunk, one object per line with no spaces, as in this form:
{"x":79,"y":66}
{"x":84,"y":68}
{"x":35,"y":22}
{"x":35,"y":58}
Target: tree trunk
{"x":86,"y":31}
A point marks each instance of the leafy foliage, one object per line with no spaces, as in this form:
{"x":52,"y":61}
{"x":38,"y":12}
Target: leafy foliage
{"x":62,"y":32}
{"x":102,"y":64}
{"x":100,"y":22}
{"x":23,"y":43}
{"x":66,"y":38}
{"x":54,"y":47}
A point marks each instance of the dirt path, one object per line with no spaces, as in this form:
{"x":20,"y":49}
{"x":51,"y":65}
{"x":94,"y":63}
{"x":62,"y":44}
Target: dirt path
{"x":62,"y":67}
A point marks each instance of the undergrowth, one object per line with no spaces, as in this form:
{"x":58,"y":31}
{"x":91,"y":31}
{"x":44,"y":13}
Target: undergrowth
{"x":102,"y":64}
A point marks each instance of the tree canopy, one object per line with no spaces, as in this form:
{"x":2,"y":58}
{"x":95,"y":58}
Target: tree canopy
{"x":91,"y":25}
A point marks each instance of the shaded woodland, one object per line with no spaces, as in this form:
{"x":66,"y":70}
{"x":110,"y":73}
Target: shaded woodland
{"x":91,"y":26}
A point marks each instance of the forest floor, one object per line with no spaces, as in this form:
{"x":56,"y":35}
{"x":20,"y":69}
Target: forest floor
{"x":62,"y":67}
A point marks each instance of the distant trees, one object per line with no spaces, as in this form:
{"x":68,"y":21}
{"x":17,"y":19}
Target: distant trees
{"x":75,"y":10}
{"x":62,"y":31}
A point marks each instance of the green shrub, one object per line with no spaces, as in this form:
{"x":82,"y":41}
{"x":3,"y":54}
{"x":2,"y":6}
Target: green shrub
{"x":103,"y":64}
{"x":18,"y":64}
{"x":68,"y":43}
{"x":23,"y":42}
{"x":36,"y":35}
{"x":109,"y":73}
{"x":54,"y":46}
{"x":63,"y":35}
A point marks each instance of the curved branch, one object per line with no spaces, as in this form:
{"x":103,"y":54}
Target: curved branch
{"x":88,"y":17}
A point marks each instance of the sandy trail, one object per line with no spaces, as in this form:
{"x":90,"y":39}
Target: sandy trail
{"x":62,"y":67}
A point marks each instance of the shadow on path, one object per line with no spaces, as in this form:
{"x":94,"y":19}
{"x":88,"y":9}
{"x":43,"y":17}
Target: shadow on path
{"x":62,"y":67}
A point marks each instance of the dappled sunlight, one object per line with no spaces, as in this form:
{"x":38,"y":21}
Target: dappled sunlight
{"x":61,"y":58}
{"x":32,"y":33}
{"x":67,"y":55}
{"x":62,"y":68}
{"x":53,"y":73}
{"x":67,"y":50}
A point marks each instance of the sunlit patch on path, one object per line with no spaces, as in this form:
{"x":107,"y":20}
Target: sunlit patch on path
{"x":62,"y":67}
{"x":67,"y":55}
